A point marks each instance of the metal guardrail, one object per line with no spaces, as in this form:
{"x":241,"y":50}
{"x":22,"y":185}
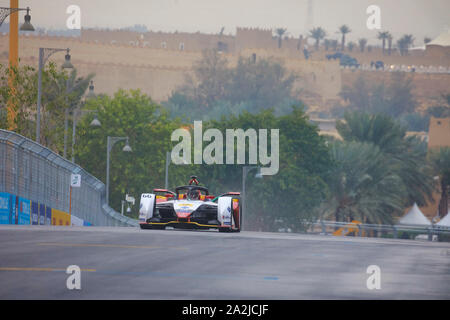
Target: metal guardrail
{"x":425,"y":229}
{"x":32,"y":171}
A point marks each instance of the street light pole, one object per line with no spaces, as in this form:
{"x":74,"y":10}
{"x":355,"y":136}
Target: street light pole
{"x":95,"y":122}
{"x":66,"y":118}
{"x":13,"y":13}
{"x":75,"y":115}
{"x":44,"y":54}
{"x":245,"y":171}
{"x":167,"y":169}
{"x":109,"y":144}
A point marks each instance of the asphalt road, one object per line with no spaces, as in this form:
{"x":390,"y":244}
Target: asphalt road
{"x":129,"y":263}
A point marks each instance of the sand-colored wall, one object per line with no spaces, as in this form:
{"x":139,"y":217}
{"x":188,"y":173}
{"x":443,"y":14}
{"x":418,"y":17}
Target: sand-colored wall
{"x":439,"y":133}
{"x":160,"y":71}
{"x":427,"y":88}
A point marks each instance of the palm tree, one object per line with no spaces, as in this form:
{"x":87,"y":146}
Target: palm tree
{"x":390,"y":38}
{"x":383,"y":36}
{"x":404,"y":43}
{"x":280,"y":32}
{"x":350,"y":46}
{"x":440,"y":161}
{"x":362,"y":44}
{"x":317,"y":34}
{"x":406,"y":155}
{"x":344,"y":29}
{"x":359,"y":186}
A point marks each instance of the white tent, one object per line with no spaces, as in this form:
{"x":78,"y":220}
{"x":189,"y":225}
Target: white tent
{"x":445,"y":221}
{"x":442,"y":40}
{"x":414,"y":216}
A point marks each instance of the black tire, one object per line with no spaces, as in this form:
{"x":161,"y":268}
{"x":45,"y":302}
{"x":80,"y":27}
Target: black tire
{"x":224,"y":229}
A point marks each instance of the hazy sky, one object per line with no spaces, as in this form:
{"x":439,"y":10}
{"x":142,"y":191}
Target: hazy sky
{"x":418,"y":17}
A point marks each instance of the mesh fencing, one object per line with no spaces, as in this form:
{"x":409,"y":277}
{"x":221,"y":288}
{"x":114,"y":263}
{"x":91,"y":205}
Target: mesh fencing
{"x":32,"y":171}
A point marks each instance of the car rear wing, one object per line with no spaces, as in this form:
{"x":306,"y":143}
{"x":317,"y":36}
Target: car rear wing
{"x":164,"y":191}
{"x":227,"y":194}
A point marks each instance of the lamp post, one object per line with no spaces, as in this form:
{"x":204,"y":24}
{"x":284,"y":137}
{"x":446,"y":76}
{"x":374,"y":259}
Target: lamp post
{"x":166,"y":185}
{"x":44,"y":54}
{"x":110,"y":143}
{"x":5,"y":12}
{"x":245,"y":171}
{"x":14,"y":48}
{"x":168,"y":160}
{"x":94,"y":123}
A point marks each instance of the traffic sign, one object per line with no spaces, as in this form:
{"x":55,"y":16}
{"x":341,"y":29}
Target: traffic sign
{"x":75,"y":180}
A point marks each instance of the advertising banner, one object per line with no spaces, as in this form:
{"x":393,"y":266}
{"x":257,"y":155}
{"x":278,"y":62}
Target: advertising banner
{"x":75,"y":221}
{"x":24,"y":211}
{"x":60,"y":218}
{"x":4,"y":208}
{"x":86,"y":223}
{"x":34,"y":213}
{"x":14,"y":212}
{"x":48,"y":216}
{"x":41,"y":213}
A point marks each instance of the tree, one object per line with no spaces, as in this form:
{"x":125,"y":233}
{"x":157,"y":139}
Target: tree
{"x":404,"y":43}
{"x":362,"y":44}
{"x":211,"y":75}
{"x":440,"y":161}
{"x":21,"y":99}
{"x":68,"y":92}
{"x":280,"y":32}
{"x":350,"y":46}
{"x":344,"y":29}
{"x":250,"y":85}
{"x":394,"y":99}
{"x":54,"y":102}
{"x":383,"y":36}
{"x":132,"y":114}
{"x":406,"y":155}
{"x":317,"y":34}
{"x":390,"y":38}
{"x":303,"y":157}
{"x":261,"y":85}
{"x":426,"y":40}
{"x":359,"y":185}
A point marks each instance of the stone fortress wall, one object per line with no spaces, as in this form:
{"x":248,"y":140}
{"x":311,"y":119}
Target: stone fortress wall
{"x":157,"y":62}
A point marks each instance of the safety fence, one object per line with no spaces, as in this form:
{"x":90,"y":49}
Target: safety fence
{"x":363,"y":229}
{"x":35,"y":188}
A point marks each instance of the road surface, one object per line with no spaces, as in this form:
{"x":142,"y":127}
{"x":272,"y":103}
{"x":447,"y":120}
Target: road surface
{"x":129,"y":263}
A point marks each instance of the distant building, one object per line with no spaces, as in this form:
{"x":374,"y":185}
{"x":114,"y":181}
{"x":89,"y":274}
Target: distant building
{"x":440,"y":46}
{"x":439,"y":133}
{"x":438,"y":136}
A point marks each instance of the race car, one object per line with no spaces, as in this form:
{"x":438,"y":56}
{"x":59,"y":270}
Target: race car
{"x":190,"y":207}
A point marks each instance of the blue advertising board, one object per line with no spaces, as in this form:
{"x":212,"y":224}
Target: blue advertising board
{"x":14,"y":212}
{"x":5,"y":207}
{"x":86,"y":223}
{"x":48,"y":216}
{"x":41,"y":213}
{"x":34,"y":212}
{"x":24,"y":211}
